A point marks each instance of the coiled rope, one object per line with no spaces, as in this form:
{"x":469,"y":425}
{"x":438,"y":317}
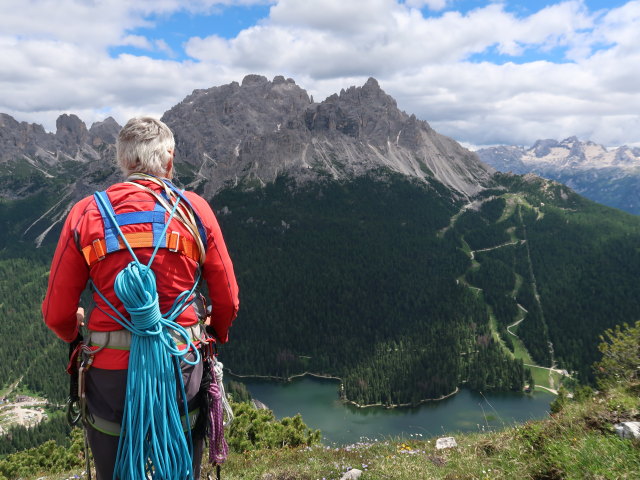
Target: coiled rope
{"x":152,"y":440}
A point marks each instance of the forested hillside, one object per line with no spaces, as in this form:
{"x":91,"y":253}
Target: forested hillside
{"x":385,"y":281}
{"x":28,"y":350}
{"x":585,"y":259}
{"x":351,"y":279}
{"x":383,"y":293}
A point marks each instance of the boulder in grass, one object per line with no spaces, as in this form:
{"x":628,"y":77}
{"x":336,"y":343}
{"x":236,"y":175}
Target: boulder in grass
{"x":628,"y":430}
{"x":446,"y":442}
{"x":352,"y":474}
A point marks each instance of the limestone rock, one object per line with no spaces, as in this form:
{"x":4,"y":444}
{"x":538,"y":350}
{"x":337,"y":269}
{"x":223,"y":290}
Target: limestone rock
{"x":446,"y":442}
{"x":255,"y":131}
{"x":246,"y":135}
{"x":352,"y":474}
{"x":105,"y":132}
{"x":71,"y":132}
{"x":628,"y":430}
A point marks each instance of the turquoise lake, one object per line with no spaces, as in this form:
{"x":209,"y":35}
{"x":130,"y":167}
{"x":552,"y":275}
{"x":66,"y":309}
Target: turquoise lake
{"x":318,"y":403}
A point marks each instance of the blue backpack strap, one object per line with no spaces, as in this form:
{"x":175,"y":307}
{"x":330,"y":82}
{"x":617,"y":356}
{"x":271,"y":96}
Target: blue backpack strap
{"x":159,"y":232}
{"x":156,"y":217}
{"x":110,"y":231}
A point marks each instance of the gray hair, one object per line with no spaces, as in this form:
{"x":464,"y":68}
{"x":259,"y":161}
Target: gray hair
{"x":144,"y":145}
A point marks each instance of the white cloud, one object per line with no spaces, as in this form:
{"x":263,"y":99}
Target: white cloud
{"x":430,"y":4}
{"x":136,"y":41}
{"x":55,"y":59}
{"x":334,"y":16}
{"x":321,"y":38}
{"x":162,"y":46}
{"x":93,"y":23}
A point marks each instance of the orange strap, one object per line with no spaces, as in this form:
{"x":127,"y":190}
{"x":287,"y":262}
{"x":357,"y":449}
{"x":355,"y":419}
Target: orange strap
{"x":97,"y":250}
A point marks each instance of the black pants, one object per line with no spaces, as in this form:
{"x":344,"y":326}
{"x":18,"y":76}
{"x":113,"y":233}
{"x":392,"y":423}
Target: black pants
{"x":105,"y":391}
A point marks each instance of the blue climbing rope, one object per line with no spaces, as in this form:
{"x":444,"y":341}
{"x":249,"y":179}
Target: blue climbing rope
{"x":152,"y":439}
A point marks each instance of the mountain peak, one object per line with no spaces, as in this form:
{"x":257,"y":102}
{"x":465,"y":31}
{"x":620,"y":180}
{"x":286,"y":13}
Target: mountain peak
{"x":71,"y":132}
{"x":607,"y":176}
{"x":372,"y":83}
{"x":105,"y":132}
{"x":370,"y":93}
{"x":251,"y":133}
{"x":253,"y":79}
{"x":261,"y":129}
{"x":543,"y":147}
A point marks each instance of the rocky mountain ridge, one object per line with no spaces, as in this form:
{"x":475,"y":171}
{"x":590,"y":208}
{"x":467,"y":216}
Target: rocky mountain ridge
{"x":72,"y":140}
{"x":244,"y":134}
{"x":610,"y":176}
{"x":254,"y":131}
{"x":259,"y":129}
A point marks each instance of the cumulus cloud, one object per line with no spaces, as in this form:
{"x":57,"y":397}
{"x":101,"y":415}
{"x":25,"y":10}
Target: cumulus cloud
{"x":431,"y":4}
{"x":56,"y":57}
{"x":329,"y":38}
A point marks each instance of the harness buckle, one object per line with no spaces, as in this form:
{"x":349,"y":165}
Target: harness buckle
{"x":99,"y":249}
{"x":173,"y":241}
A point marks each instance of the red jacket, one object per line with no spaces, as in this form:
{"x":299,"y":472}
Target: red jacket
{"x":174,"y":271}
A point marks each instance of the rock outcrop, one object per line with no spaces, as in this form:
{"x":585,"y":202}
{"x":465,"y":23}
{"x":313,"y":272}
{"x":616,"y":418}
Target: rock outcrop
{"x":254,"y":131}
{"x":246,"y":134}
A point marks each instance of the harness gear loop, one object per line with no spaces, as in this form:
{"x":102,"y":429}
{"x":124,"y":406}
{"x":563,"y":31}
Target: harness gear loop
{"x":73,"y":408}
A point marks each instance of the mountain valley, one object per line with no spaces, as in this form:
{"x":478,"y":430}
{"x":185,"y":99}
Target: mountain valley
{"x":367,"y":246}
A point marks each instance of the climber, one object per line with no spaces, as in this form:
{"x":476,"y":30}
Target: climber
{"x":145,"y":215}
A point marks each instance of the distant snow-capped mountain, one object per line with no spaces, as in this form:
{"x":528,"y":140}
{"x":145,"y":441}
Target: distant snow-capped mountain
{"x":610,"y":176}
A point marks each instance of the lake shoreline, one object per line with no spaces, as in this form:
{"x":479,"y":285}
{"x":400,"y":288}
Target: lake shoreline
{"x":285,"y":379}
{"x":344,"y":398}
{"x":404,"y":405}
{"x":342,"y":423}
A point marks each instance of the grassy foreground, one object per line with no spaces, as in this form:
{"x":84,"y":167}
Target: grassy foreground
{"x":576,"y":443}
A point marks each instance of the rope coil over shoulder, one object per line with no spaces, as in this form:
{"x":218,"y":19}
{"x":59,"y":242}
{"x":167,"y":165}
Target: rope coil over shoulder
{"x":152,"y":442}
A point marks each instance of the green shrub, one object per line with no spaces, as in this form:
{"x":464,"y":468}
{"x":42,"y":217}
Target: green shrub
{"x":255,"y":429}
{"x":238,"y":392}
{"x":561,"y":400}
{"x":46,"y":458}
{"x":620,"y":364}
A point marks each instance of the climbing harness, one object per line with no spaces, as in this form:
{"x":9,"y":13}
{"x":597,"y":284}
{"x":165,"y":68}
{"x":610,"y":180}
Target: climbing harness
{"x":155,"y":439}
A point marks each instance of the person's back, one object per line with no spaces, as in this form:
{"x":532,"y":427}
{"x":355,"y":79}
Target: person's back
{"x":91,"y":248}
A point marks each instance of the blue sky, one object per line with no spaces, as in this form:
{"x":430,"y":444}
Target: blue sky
{"x":176,"y":28}
{"x":228,"y":21}
{"x":483,"y":72}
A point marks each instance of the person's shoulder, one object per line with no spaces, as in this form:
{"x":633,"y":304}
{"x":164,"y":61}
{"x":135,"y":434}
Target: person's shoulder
{"x":88,"y":202}
{"x":79,"y":210}
{"x":197,"y":201}
{"x":121,"y":189}
{"x":82,"y":205}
